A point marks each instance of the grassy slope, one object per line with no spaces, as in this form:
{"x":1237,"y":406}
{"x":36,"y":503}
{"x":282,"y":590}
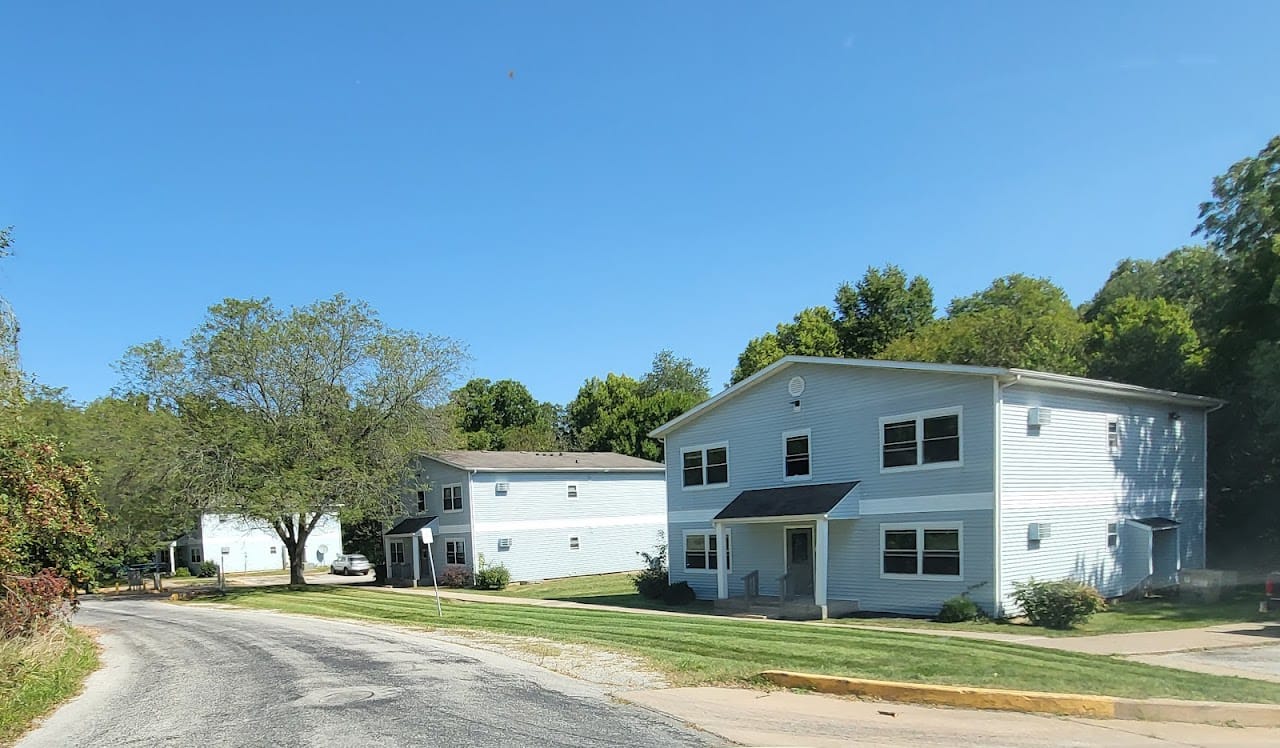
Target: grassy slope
{"x":599,"y":589}
{"x":706,"y":650}
{"x":36,"y":677}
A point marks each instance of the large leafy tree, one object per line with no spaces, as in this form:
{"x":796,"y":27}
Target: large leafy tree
{"x":617,"y":412}
{"x":1018,"y":321}
{"x":288,"y":415}
{"x":503,"y":415}
{"x":1150,"y":342}
{"x":1194,"y":278}
{"x":880,"y":308}
{"x":812,"y":332}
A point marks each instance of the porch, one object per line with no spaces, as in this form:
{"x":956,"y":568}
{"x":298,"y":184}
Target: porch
{"x":408,"y":558}
{"x":783,"y":543}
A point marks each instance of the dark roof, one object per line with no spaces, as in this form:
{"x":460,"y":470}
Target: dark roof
{"x":1158,"y":523}
{"x":410,"y":526}
{"x":790,"y":501}
{"x":543,"y":461}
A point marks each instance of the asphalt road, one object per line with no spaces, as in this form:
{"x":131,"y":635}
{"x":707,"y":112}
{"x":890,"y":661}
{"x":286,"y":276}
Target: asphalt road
{"x":199,"y":675}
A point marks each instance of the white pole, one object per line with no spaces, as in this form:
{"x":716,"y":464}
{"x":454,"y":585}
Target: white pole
{"x":722,"y":563}
{"x":417,"y":560}
{"x":432,"y":562}
{"x":820,"y":567}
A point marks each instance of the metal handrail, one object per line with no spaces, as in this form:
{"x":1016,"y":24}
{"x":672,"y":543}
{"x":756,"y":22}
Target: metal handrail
{"x":751,"y":586}
{"x":783,"y":583}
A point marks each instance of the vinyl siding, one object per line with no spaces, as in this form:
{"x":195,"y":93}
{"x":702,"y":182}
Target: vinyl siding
{"x":841,"y":407}
{"x":1064,"y":474}
{"x":615,"y":516}
{"x":250,"y":542}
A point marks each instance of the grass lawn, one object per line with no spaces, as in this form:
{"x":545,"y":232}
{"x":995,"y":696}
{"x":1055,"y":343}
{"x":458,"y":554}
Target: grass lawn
{"x":598,"y":589}
{"x":39,"y":674}
{"x":1155,"y":614}
{"x":694,"y":650}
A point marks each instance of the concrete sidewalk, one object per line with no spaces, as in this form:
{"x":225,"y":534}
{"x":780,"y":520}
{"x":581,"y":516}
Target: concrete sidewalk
{"x":785,"y":718}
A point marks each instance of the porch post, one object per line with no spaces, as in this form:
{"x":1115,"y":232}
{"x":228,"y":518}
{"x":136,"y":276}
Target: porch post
{"x":173,"y":552}
{"x":386,"y":555}
{"x":417,"y":560}
{"x":722,"y":562}
{"x":820,"y":566}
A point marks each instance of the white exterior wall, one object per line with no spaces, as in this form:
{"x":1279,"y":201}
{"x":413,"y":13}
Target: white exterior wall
{"x":1065,"y":475}
{"x":614,"y":516}
{"x":251,"y":543}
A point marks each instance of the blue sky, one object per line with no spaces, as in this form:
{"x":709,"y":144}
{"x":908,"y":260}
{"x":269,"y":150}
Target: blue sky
{"x":680,"y":175}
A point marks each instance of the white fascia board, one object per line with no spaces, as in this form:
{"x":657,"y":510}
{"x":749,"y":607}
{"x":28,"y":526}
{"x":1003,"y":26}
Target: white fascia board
{"x":1102,"y":387}
{"x":518,"y":471}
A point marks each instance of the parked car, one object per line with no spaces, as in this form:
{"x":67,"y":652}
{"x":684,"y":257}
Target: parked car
{"x":1271,"y":603}
{"x":352,"y":563}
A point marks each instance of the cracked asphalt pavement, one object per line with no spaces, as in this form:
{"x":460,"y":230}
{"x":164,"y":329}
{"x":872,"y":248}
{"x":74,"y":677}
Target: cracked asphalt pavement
{"x":203,"y":675}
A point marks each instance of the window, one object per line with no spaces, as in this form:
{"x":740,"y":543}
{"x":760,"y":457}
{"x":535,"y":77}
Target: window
{"x":1113,"y":435}
{"x":795,"y":454}
{"x":573,"y":543}
{"x":700,"y":551}
{"x":273,"y":550}
{"x":931,"y":438}
{"x":920,"y":550}
{"x":453,"y":498}
{"x":1113,"y":534}
{"x":706,"y":466}
{"x":397,"y":551}
{"x":197,"y":554}
{"x":422,"y":501}
{"x":573,"y":491}
{"x":455,"y":552}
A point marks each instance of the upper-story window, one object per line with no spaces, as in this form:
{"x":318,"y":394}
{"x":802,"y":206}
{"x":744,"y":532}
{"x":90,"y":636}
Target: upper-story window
{"x":453,"y":498}
{"x":422,"y":501}
{"x":795,"y":455}
{"x":928,"y":439}
{"x":573,"y":491}
{"x":706,"y":466}
{"x":1113,"y":435}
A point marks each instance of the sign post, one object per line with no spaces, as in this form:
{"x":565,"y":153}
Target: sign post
{"x":222,"y":569}
{"x":426,"y":538}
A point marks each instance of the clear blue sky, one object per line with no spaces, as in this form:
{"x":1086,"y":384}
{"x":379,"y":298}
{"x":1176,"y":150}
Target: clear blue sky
{"x":680,"y":175}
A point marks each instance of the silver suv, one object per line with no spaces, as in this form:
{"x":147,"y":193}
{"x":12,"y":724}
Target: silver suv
{"x":352,"y":563}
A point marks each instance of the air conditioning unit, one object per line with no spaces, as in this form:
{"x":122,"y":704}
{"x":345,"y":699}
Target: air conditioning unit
{"x":504,"y":544}
{"x":1039,"y":416}
{"x":1037,"y":531}
{"x":502,"y":487}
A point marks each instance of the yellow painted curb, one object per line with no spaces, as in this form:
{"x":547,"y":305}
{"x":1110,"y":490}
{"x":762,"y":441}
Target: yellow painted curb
{"x":1076,"y":705}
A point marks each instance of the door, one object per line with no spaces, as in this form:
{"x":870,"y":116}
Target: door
{"x":799,"y":561}
{"x":1164,"y":557}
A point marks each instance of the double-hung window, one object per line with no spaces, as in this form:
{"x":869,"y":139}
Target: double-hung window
{"x":397,"y":551}
{"x":422,"y":501}
{"x":453,"y":498}
{"x":197,"y":554}
{"x":700,"y":553}
{"x":573,"y":491}
{"x":924,"y":550}
{"x":795,"y":455}
{"x":1113,"y":435}
{"x":920,"y":440}
{"x":1113,"y":535}
{"x":455,"y":552}
{"x":705,"y":466}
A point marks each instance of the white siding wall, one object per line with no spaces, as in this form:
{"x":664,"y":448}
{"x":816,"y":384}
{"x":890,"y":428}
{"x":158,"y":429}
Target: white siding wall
{"x":614,"y":516}
{"x":1064,"y":474}
{"x":250,"y":543}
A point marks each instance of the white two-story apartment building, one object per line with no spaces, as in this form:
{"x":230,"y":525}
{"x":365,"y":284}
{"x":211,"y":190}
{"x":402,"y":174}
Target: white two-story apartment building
{"x":841,"y":485}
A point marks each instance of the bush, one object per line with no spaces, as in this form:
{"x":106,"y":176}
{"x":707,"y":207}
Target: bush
{"x":455,"y":576}
{"x":182,"y":571}
{"x":34,"y":604}
{"x":1058,"y":605}
{"x":679,"y":593}
{"x":957,"y":609}
{"x":207,"y":569}
{"x":652,"y":581}
{"x":493,"y":577}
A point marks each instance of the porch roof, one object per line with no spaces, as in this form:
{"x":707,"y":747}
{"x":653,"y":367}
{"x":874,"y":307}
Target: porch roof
{"x":808,"y":499}
{"x":409,"y":526}
{"x":1158,"y":523}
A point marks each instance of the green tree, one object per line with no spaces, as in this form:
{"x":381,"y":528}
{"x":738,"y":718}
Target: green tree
{"x":1018,"y":321}
{"x":1150,"y":342}
{"x":1194,"y":278}
{"x":880,"y":308}
{"x":812,"y":332}
{"x":289,"y":415}
{"x":503,"y":415}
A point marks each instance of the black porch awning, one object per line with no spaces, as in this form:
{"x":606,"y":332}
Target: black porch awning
{"x":788,"y":501}
{"x":1158,"y":523}
{"x":409,"y":526}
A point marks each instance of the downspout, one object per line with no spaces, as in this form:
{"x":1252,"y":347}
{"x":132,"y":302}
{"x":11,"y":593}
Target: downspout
{"x":997,"y":402}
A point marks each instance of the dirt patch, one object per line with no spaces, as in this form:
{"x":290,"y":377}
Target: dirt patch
{"x":580,"y":661}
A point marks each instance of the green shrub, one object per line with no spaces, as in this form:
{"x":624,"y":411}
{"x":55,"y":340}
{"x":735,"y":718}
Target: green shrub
{"x":455,"y":575}
{"x":651,"y":582}
{"x":493,"y":577}
{"x":679,"y":593}
{"x":1057,"y":605}
{"x":207,"y":569}
{"x":182,"y":571}
{"x":957,"y":609}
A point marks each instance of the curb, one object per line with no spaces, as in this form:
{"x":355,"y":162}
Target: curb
{"x":1071,"y":705}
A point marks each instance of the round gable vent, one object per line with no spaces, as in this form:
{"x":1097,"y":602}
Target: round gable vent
{"x":796,"y":386}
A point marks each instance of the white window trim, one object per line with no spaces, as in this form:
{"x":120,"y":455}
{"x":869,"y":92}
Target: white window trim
{"x":423,"y":500}
{"x":396,"y":545}
{"x":920,"y":528}
{"x":1117,"y":524}
{"x":711,"y":533}
{"x":571,"y":491}
{"x":919,"y":417}
{"x":455,"y":552}
{"x":806,"y":433}
{"x":459,"y":498}
{"x":703,"y":449}
{"x":575,"y":542}
{"x":1113,"y":448}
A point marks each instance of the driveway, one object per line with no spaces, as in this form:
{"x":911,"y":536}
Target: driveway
{"x":202,"y":675}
